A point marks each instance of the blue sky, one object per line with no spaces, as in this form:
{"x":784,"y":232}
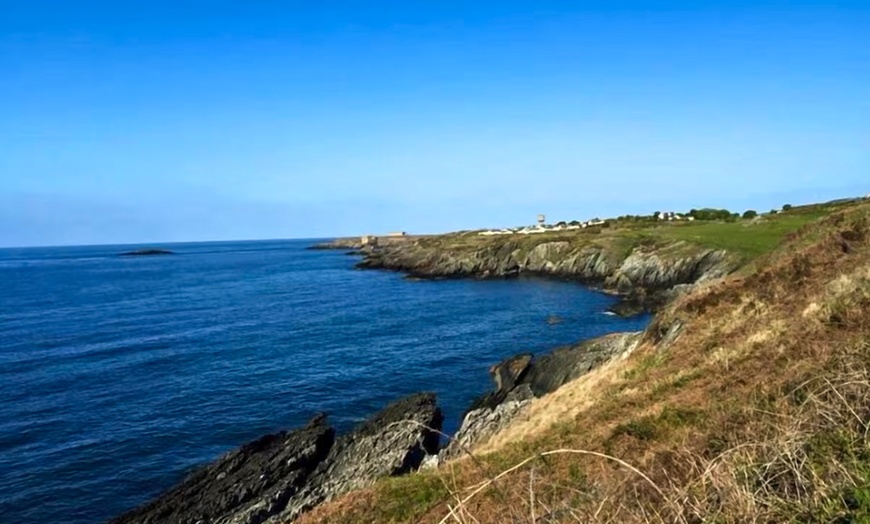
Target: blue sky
{"x":169,"y":121}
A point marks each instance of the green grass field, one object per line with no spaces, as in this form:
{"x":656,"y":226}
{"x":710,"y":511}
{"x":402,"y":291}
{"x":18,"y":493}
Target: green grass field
{"x":744,"y":238}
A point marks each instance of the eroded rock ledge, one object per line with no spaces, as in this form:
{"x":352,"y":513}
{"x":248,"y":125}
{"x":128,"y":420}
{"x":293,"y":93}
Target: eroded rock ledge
{"x":523,"y":377}
{"x":277,"y":477}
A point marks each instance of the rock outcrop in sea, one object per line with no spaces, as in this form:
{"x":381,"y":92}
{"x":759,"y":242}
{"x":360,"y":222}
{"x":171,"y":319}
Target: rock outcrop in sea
{"x":278,"y":477}
{"x":146,"y":253}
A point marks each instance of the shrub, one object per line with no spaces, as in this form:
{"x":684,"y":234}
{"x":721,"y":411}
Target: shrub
{"x":750,"y":214}
{"x":711,"y":214}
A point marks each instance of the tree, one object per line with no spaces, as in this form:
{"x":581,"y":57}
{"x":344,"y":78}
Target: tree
{"x":786,"y":207}
{"x":750,"y":214}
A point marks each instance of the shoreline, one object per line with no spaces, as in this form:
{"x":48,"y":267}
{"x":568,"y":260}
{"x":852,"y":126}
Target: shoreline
{"x":336,"y":464}
{"x":644,"y":280}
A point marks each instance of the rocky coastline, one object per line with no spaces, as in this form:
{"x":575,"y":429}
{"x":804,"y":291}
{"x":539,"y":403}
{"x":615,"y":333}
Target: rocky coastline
{"x":281,"y":476}
{"x":278,"y":477}
{"x":645,"y":277}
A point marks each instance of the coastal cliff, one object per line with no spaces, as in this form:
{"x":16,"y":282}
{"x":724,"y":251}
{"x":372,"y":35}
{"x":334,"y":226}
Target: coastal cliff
{"x":745,"y":400}
{"x":645,"y":275}
{"x":676,"y":400}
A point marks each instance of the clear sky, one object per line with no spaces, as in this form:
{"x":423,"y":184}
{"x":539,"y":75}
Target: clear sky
{"x":147,"y":121}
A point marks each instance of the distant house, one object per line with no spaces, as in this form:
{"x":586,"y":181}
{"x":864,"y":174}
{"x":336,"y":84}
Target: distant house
{"x":397,"y":234}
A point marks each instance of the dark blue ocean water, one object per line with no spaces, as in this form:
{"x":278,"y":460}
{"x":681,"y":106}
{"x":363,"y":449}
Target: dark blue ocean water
{"x":117,"y":375}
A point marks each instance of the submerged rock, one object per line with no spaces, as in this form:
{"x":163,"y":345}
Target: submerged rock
{"x":552,"y":320}
{"x":280,"y":476}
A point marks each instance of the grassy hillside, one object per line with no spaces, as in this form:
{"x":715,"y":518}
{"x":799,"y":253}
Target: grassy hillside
{"x":746,"y":239}
{"x":748,"y":401}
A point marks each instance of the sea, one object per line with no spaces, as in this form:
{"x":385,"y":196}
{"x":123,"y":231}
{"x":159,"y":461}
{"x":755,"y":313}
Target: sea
{"x":118,"y":375}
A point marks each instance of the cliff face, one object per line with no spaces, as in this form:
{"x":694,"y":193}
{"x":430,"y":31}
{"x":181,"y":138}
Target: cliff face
{"x":745,"y":400}
{"x":640,"y":272}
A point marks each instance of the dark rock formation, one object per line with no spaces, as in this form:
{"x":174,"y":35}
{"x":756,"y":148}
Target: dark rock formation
{"x":278,"y":477}
{"x":146,"y":253}
{"x":507,"y":376}
{"x":521,"y":378}
{"x":394,"y":442}
{"x":552,"y":370}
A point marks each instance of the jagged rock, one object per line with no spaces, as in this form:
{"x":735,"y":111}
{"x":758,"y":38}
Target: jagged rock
{"x":394,"y":442}
{"x":506,"y":375}
{"x":628,"y":307}
{"x":481,"y":423}
{"x":278,"y":477}
{"x":546,"y":257}
{"x":271,"y":469}
{"x":550,"y":371}
{"x":521,"y":378}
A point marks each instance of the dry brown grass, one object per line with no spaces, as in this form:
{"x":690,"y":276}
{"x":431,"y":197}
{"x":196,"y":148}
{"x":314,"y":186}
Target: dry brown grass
{"x":757,"y":412}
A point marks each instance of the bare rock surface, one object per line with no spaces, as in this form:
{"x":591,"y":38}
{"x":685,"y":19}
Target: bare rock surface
{"x":523,"y":377}
{"x":280,"y":476}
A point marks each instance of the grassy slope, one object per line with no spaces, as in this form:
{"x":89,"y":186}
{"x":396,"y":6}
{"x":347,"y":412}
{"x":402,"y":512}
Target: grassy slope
{"x":745,"y":239}
{"x":759,"y":411}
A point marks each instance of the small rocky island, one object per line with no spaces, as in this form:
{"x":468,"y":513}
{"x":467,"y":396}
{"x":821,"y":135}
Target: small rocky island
{"x":146,"y":253}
